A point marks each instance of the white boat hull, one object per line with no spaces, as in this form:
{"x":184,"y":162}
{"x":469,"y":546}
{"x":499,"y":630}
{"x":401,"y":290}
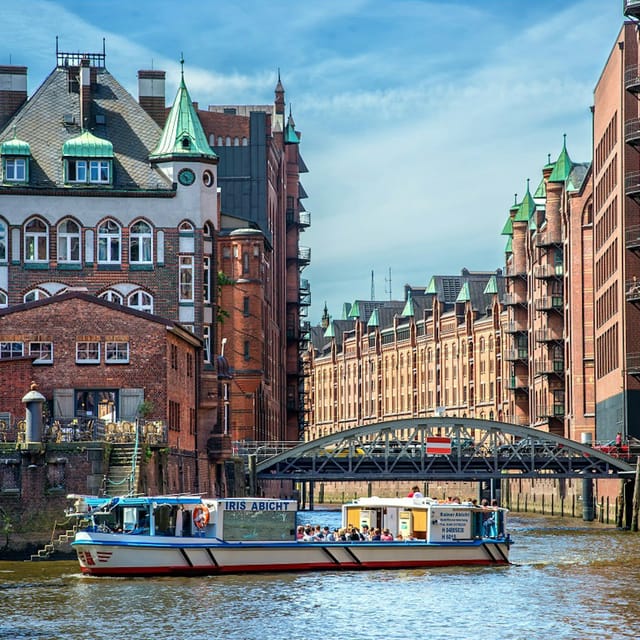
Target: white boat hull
{"x":126,"y":555}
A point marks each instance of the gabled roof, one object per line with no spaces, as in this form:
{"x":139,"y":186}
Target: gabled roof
{"x":464,"y":295}
{"x":374,"y":320}
{"x":492,"y":286}
{"x":48,"y":119}
{"x":183,"y":135}
{"x":526,"y":208}
{"x":409,"y":310}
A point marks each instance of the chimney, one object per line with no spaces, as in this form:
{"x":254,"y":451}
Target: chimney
{"x":13,"y":91}
{"x":151,"y":94}
{"x":85,"y":94}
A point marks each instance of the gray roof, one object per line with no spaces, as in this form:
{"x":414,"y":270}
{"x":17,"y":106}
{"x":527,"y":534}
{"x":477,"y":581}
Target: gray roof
{"x":43,"y":122}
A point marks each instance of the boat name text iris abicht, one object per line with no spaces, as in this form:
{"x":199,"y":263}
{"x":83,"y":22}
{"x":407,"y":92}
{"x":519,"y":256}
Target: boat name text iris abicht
{"x":191,"y":535}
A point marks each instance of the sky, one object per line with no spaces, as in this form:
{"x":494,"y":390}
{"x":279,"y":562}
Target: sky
{"x":420,"y":119}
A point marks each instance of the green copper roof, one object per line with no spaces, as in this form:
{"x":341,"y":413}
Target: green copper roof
{"x":330,"y":332}
{"x":355,"y":310}
{"x":431,"y":288}
{"x":549,"y":164}
{"x":15,"y":147}
{"x":563,"y":165}
{"x":408,"y":311}
{"x":541,"y":191}
{"x":492,"y":286}
{"x":346,"y":308}
{"x":290,"y":135}
{"x":464,"y":295}
{"x":374,"y":320}
{"x":86,"y":145}
{"x":507,"y":230}
{"x":526,"y":208}
{"x":183,"y":135}
{"x":509,"y":247}
{"x":515,"y":205}
{"x":532,"y":224}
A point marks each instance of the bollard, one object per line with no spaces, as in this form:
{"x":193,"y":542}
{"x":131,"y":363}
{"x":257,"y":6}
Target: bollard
{"x":33,"y":402}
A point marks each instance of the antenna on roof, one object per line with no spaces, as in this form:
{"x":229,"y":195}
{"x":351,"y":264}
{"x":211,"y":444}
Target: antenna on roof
{"x":373,"y":287}
{"x":388,"y":284}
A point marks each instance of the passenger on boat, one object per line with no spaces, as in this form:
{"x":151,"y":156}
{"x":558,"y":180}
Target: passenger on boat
{"x":332,"y":536}
{"x":386,"y":536}
{"x":355,"y":534}
{"x":365,"y":533}
{"x":415,"y":492}
{"x":375,"y":537}
{"x":300,"y":532}
{"x":308,"y":535}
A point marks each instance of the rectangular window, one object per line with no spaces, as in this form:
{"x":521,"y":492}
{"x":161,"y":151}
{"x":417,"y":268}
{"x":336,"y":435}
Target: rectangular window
{"x":186,"y":278}
{"x":174,"y":415}
{"x":87,"y":352}
{"x":15,"y":169}
{"x":76,"y":170}
{"x":10,"y":350}
{"x":247,"y":354}
{"x":206,"y":279}
{"x":43,"y":352}
{"x":189,"y":365}
{"x":174,"y":356}
{"x":116,"y":352}
{"x":206,"y":335}
{"x":99,"y":171}
{"x":245,"y":305}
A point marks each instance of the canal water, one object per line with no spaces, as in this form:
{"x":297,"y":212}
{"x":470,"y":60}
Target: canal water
{"x":569,"y":581}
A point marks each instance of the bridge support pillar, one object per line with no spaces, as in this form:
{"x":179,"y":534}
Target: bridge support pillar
{"x":253,"y":478}
{"x":311,"y":496}
{"x":587,"y":500}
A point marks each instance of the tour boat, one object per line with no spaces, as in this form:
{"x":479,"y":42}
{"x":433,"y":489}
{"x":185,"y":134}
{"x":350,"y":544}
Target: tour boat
{"x":190,"y":535}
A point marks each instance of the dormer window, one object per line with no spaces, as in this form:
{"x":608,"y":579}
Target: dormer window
{"x":15,"y":161}
{"x":88,"y":159}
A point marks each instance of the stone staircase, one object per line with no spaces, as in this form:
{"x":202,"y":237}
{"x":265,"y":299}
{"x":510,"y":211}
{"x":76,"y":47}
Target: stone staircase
{"x":55,"y":545}
{"x":119,"y":479}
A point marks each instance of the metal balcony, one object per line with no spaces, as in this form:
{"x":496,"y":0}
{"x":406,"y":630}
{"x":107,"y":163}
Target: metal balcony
{"x":632,"y":237}
{"x":305,"y":293}
{"x":548,"y":239}
{"x":512,"y":355}
{"x":512,"y":299}
{"x":632,"y":132}
{"x":549,"y":367}
{"x":515,"y":326}
{"x":632,"y":78}
{"x":553,"y":410}
{"x":304,"y":219}
{"x":545,"y":271}
{"x":632,"y":290}
{"x":548,"y":335}
{"x":304,"y":255}
{"x":633,"y":364}
{"x":632,"y":9}
{"x":515,"y":272}
{"x":632,"y":185}
{"x":550,"y":303}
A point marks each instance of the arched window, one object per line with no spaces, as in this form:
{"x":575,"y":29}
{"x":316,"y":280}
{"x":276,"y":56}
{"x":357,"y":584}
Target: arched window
{"x":185,"y":227}
{"x":112,"y":296}
{"x":212,"y":140}
{"x":109,"y":235}
{"x":141,"y":243}
{"x":4,"y":240}
{"x":141,"y":301}
{"x":228,"y":141}
{"x":245,"y":142}
{"x":69,"y":241}
{"x":35,"y":294}
{"x":220,"y":141}
{"x":4,"y":300}
{"x":236,"y":142}
{"x":207,"y":230}
{"x":36,"y":241}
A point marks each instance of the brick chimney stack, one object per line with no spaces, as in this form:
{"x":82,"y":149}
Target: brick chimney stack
{"x":13,"y":91}
{"x":85,"y":94}
{"x":151,"y":94}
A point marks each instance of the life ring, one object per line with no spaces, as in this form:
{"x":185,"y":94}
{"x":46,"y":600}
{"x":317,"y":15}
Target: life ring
{"x":201,"y":516}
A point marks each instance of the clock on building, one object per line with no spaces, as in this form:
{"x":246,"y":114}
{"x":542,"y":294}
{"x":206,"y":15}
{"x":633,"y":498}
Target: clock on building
{"x":186,"y":177}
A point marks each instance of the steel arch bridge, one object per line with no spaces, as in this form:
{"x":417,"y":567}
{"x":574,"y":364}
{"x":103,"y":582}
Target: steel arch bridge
{"x":403,"y":450}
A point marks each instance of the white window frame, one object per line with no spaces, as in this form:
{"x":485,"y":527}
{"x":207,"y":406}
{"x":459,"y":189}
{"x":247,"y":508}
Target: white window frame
{"x":4,"y":300}
{"x":185,"y":284}
{"x":140,"y":300}
{"x":116,"y":352}
{"x":142,"y":242}
{"x":109,"y":242}
{"x":100,"y":171}
{"x":66,"y":250}
{"x":11,"y":349}
{"x":88,"y":352}
{"x":112,"y":296}
{"x":76,"y":170}
{"x":36,"y":243}
{"x":34,"y":294}
{"x":15,"y":169}
{"x":44,"y":351}
{"x":206,"y":338}
{"x":206,"y":279}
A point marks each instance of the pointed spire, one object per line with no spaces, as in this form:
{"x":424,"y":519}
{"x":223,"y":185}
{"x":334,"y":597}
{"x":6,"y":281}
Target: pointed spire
{"x":325,"y":317}
{"x":464,"y":295}
{"x":507,"y":230}
{"x":355,"y":310}
{"x":330,"y":331}
{"x":374,"y":320}
{"x":409,"y":310}
{"x":431,"y":287}
{"x":563,"y":164}
{"x":290,"y":135}
{"x":183,"y":135}
{"x":526,"y":208}
{"x":279,"y":91}
{"x":492,"y":286}
{"x":346,"y":309}
{"x":509,"y":246}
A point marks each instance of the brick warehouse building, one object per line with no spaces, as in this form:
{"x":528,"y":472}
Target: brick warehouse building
{"x":124,"y":199}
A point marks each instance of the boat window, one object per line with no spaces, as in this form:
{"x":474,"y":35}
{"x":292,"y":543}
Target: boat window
{"x":259,"y":525}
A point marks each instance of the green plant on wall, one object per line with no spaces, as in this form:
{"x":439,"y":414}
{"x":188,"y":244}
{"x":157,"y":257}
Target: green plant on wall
{"x":222,"y":314}
{"x":145,"y":408}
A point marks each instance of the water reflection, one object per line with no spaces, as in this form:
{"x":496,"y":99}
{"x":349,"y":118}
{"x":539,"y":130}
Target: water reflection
{"x":568,"y":581}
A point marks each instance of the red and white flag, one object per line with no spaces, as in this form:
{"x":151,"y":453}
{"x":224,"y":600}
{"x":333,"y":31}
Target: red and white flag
{"x":436,"y":445}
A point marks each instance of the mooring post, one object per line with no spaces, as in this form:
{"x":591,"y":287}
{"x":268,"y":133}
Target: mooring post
{"x":33,"y":402}
{"x":587,"y":488}
{"x":636,"y":499}
{"x":253,"y":478}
